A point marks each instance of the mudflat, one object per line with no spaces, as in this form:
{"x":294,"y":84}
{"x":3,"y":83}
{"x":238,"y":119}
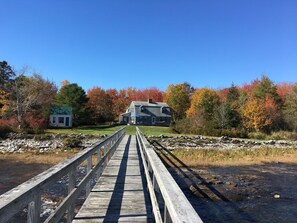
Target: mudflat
{"x":249,"y":193}
{"x":20,"y":167}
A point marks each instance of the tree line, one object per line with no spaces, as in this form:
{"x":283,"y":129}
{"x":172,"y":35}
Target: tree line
{"x":25,"y":101}
{"x":259,"y":106}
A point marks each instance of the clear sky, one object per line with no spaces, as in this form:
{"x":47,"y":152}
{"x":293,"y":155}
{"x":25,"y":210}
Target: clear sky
{"x":144,"y":43}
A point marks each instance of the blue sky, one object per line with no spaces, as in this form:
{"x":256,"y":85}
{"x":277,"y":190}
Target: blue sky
{"x":122,"y":43}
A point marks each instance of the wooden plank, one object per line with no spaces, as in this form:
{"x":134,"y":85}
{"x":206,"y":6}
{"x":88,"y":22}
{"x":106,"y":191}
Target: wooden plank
{"x":120,"y":194}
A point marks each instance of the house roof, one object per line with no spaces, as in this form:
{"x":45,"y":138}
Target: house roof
{"x":61,"y":110}
{"x":154,"y":108}
{"x":152,"y":104}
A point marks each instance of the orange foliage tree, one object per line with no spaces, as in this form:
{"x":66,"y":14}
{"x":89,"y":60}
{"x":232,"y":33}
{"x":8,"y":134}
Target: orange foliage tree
{"x":100,"y":104}
{"x":4,"y":103}
{"x":255,"y":115}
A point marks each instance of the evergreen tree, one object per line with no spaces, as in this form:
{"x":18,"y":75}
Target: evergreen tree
{"x":74,"y":96}
{"x":290,"y":109}
{"x":232,"y":107}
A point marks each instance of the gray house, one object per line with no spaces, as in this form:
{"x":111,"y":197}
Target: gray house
{"x":147,"y":113}
{"x":61,"y":116}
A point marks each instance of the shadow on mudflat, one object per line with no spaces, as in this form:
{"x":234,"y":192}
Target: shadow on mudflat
{"x":257,"y":193}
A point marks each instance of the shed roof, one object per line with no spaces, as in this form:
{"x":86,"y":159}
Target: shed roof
{"x":61,"y":110}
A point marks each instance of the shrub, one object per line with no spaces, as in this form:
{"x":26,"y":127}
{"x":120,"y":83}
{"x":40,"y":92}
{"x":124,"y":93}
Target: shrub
{"x":34,"y":125}
{"x":234,"y":133}
{"x":4,"y":130}
{"x":43,"y":137}
{"x":283,"y":135}
{"x":7,"y":126}
{"x":257,"y":135}
{"x":72,"y":142}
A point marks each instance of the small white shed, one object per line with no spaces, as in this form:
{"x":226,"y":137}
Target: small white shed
{"x":61,"y":117}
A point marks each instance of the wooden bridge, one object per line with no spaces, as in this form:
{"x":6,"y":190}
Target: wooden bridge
{"x":131,"y":185}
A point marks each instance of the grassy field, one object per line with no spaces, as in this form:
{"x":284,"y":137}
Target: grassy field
{"x":149,"y":130}
{"x":92,"y":130}
{"x":108,"y":130}
{"x":234,"y":157}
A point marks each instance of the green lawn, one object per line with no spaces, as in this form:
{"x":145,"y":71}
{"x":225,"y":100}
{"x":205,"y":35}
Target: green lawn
{"x":91,"y":130}
{"x":107,"y":130}
{"x":149,"y":130}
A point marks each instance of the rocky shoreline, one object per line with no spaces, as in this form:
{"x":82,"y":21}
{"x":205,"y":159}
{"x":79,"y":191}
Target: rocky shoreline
{"x":220,"y":143}
{"x":19,"y":143}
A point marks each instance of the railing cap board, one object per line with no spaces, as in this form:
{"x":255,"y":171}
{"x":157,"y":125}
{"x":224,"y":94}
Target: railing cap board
{"x":179,"y":207}
{"x":21,"y":194}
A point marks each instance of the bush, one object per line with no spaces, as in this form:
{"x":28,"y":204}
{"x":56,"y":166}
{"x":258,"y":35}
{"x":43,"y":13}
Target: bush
{"x":43,"y":137}
{"x":72,"y":142}
{"x":283,"y":135}
{"x":6,"y":126}
{"x":4,"y":130}
{"x":234,"y":133}
{"x":34,"y":125}
{"x":257,"y":135}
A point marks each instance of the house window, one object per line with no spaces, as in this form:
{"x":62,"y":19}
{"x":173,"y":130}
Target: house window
{"x":54,"y":120}
{"x":153,"y":120}
{"x":61,"y":120}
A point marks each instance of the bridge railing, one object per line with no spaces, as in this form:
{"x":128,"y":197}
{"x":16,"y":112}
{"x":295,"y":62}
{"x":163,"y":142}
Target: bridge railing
{"x":169,"y":203}
{"x":29,"y":193}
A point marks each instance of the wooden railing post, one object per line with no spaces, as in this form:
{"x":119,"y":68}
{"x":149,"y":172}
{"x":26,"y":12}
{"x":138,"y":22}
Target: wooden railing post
{"x":71,"y":185}
{"x":99,"y":157}
{"x":34,"y":209}
{"x":167,"y":218}
{"x":89,"y":167}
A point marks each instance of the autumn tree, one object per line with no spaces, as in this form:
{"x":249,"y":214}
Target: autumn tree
{"x":284,"y":89}
{"x":101,"y":105}
{"x":178,"y":98}
{"x":64,"y":83}
{"x":149,"y":93}
{"x":74,"y":96}
{"x":205,"y":103}
{"x":31,"y":99}
{"x":255,"y":115}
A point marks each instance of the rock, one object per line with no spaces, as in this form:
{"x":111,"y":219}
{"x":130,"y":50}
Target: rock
{"x":276,"y":196}
{"x":224,"y":138}
{"x":236,"y":141}
{"x":270,"y":142}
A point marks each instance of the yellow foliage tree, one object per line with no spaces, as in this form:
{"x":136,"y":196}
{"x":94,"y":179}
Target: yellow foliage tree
{"x":4,"y":102}
{"x":204,"y":101}
{"x":177,"y":97}
{"x":255,"y":115}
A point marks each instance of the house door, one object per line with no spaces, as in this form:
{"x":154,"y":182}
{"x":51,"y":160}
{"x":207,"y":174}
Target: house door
{"x":67,"y":121}
{"x":153,"y":120}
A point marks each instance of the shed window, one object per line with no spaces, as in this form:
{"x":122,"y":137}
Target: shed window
{"x":61,"y":120}
{"x":54,"y":119}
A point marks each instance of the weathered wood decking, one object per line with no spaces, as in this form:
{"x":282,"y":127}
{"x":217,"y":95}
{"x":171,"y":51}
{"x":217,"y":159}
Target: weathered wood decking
{"x":120,"y":195}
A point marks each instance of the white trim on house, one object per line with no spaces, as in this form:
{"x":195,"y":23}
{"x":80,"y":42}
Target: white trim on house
{"x":61,"y":121}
